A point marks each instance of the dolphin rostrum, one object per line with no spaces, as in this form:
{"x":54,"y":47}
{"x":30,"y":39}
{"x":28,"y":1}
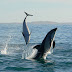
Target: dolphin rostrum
{"x":26,"y":33}
{"x":46,"y":45}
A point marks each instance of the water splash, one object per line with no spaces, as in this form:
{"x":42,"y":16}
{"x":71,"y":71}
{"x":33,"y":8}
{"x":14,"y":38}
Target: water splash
{"x":27,"y":52}
{"x":6,"y":46}
{"x":24,"y":54}
{"x":5,"y":50}
{"x":50,"y":51}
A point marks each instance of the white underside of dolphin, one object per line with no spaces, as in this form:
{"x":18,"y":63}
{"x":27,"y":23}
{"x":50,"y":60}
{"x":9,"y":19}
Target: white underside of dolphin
{"x":41,"y":51}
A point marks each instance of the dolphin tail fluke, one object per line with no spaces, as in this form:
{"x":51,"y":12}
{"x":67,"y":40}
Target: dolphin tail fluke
{"x":28,"y":14}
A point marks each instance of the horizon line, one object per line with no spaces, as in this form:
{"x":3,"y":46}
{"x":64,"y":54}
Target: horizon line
{"x":36,"y":21}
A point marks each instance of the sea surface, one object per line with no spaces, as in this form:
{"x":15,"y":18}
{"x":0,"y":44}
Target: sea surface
{"x":13,"y":50}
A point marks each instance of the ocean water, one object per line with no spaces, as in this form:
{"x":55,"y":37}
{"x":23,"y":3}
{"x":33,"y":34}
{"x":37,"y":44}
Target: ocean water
{"x":13,"y":51}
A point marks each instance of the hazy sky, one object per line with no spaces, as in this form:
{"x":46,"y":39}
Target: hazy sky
{"x":43,"y":10}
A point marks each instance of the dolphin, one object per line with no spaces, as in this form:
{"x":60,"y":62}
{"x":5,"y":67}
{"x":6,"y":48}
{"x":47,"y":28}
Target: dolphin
{"x":26,"y":32}
{"x":46,"y":45}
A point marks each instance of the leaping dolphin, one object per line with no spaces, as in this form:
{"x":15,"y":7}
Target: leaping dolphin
{"x":26,"y":32}
{"x":46,"y":45}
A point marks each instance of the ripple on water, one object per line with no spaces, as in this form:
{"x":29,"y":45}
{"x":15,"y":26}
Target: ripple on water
{"x":17,"y":68}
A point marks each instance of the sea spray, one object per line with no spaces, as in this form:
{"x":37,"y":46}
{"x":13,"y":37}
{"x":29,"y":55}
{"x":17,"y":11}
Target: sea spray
{"x":24,"y":54}
{"x":6,"y":46}
{"x":27,"y":51}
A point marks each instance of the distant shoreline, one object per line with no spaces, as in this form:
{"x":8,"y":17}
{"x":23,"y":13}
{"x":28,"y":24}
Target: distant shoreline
{"x":40,"y":22}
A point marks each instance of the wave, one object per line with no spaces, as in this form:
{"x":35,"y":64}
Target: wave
{"x":17,"y":68}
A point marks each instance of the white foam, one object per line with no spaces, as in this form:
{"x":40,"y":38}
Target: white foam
{"x":6,"y":46}
{"x":34,"y":52}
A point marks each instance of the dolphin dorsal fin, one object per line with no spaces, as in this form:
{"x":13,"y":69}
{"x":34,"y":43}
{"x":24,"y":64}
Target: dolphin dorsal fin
{"x":37,"y":47}
{"x":53,"y":44}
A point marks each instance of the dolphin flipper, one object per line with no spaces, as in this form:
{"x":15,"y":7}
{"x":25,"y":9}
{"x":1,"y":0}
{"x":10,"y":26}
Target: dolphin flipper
{"x":37,"y":47}
{"x":23,"y":34}
{"x":53,"y":44}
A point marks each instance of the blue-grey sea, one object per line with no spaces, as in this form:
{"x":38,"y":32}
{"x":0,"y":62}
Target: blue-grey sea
{"x":13,"y":50}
